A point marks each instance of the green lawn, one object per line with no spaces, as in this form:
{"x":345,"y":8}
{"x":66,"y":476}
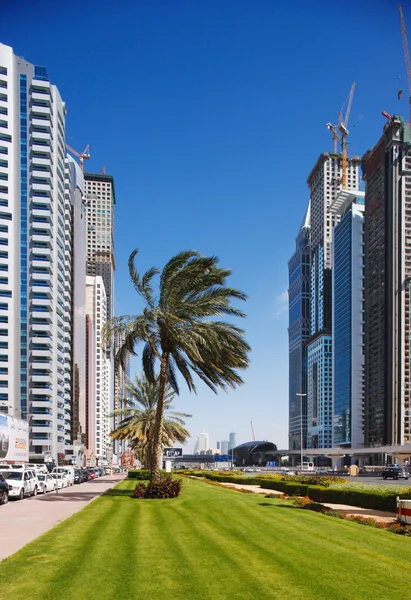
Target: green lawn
{"x":211,"y":543}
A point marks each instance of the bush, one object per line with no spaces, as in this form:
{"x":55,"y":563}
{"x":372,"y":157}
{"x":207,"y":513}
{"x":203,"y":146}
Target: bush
{"x":140,"y":474}
{"x":165,"y":488}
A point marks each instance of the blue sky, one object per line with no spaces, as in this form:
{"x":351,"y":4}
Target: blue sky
{"x":210,"y":115}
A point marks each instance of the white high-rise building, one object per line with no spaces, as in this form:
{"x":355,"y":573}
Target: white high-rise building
{"x":35,"y":256}
{"x":99,"y":406}
{"x":75,"y":195}
{"x":202,"y":444}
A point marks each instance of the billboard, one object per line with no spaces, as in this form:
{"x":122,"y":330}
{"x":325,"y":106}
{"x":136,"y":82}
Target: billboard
{"x":173,"y":452}
{"x":14,"y":439}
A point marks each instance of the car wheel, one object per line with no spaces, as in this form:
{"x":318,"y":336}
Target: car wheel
{"x":4,"y":498}
{"x":21,"y":495}
{"x":34,"y":491}
{"x":395,"y":477}
{"x":384,"y":477}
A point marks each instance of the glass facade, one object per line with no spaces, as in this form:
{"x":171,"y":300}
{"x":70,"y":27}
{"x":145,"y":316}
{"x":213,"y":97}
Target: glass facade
{"x":23,"y":245}
{"x":342,"y":330}
{"x":298,"y":331}
{"x":319,"y":392}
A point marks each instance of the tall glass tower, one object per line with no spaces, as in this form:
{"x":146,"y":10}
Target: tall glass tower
{"x":298,"y":332}
{"x":348,"y":317}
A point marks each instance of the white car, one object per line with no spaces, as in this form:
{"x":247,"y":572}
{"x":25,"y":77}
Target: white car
{"x":22,"y":482}
{"x":67,"y":471}
{"x":60,"y":479}
{"x":46,"y":483}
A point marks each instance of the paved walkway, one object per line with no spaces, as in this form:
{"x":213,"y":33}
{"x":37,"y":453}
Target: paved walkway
{"x":22,"y":521}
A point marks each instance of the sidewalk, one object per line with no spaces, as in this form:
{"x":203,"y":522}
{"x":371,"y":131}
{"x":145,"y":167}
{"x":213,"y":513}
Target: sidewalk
{"x":22,"y":521}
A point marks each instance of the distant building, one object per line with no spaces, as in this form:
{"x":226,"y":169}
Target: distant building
{"x":202,"y":444}
{"x":224,"y":447}
{"x":231,"y":440}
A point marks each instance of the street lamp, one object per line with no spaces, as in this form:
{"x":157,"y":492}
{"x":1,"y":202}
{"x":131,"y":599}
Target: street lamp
{"x":301,"y":428}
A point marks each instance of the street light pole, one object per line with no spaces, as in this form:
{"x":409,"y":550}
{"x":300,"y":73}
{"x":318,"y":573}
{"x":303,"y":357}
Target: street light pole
{"x":301,"y":429}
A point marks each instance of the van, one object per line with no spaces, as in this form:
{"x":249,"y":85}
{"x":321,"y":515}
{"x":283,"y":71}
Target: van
{"x":68,"y":471}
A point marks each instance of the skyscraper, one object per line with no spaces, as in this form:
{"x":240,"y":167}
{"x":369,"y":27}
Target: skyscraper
{"x":324,"y":182}
{"x":298,"y":332}
{"x":97,"y":311}
{"x":35,"y":256}
{"x":231,"y":440}
{"x":100,"y":201}
{"x":202,"y":444}
{"x":74,"y":193}
{"x":387,"y":172}
{"x":348,"y":319}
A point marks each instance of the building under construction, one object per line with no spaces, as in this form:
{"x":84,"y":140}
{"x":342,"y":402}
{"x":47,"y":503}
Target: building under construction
{"x":387,"y":172}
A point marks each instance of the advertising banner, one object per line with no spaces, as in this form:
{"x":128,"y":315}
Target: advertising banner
{"x":173,"y":452}
{"x":14,"y":439}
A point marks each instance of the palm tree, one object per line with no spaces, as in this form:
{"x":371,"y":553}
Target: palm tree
{"x":138,"y":418}
{"x":178,"y":329}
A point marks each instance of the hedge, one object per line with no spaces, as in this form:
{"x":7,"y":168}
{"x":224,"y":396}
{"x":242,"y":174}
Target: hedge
{"x":141,"y":474}
{"x":384,"y":500}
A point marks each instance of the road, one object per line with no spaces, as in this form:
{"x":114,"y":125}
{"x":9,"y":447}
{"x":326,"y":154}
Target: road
{"x":22,"y":521}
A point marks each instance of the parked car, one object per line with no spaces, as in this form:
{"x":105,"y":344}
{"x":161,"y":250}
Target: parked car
{"x":91,"y":474}
{"x":4,"y":490}
{"x":46,"y":483}
{"x":21,"y":482}
{"x":78,"y":476}
{"x":60,"y":479}
{"x":67,"y":471}
{"x":395,"y":473}
{"x":86,"y":475}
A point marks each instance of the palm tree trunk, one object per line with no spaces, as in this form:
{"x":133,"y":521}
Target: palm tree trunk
{"x":158,"y":424}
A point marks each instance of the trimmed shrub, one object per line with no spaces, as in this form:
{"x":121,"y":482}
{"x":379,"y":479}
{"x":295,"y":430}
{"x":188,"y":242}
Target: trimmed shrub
{"x":166,"y":488}
{"x":140,"y":474}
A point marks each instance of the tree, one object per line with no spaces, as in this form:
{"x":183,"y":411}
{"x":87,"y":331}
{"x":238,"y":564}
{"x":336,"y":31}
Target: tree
{"x":178,"y":329}
{"x":138,"y":419}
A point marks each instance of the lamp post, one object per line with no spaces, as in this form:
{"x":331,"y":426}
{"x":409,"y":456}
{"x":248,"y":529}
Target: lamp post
{"x":301,"y":428}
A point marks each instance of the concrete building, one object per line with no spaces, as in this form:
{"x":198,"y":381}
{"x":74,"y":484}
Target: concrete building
{"x":96,"y":302}
{"x":387,"y":173}
{"x":121,"y":393}
{"x":324,"y":182}
{"x":74,"y":192}
{"x":202,"y":444}
{"x":100,"y":201}
{"x":348,"y":320}
{"x":35,"y":256}
{"x":224,"y":447}
{"x":298,"y":333}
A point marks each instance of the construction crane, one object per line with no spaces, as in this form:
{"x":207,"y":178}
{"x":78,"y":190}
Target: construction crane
{"x":406,"y":53}
{"x":85,"y":155}
{"x":340,"y":133}
{"x":336,"y":137}
{"x":343,"y":128}
{"x":252,"y":430}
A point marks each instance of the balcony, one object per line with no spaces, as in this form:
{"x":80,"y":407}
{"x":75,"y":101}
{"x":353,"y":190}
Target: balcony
{"x":42,"y":392}
{"x":44,"y":327}
{"x":42,"y":236}
{"x":40,"y":302}
{"x":41,"y":110}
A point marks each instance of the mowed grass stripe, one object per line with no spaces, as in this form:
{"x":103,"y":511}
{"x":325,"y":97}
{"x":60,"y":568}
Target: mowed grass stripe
{"x":211,"y":543}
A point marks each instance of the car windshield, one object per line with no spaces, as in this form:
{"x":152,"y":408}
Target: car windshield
{"x":55,"y":475}
{"x":41,"y":477}
{"x":17,"y":475}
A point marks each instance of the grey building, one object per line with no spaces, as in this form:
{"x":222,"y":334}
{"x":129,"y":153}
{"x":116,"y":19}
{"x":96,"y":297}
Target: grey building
{"x":387,"y":173}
